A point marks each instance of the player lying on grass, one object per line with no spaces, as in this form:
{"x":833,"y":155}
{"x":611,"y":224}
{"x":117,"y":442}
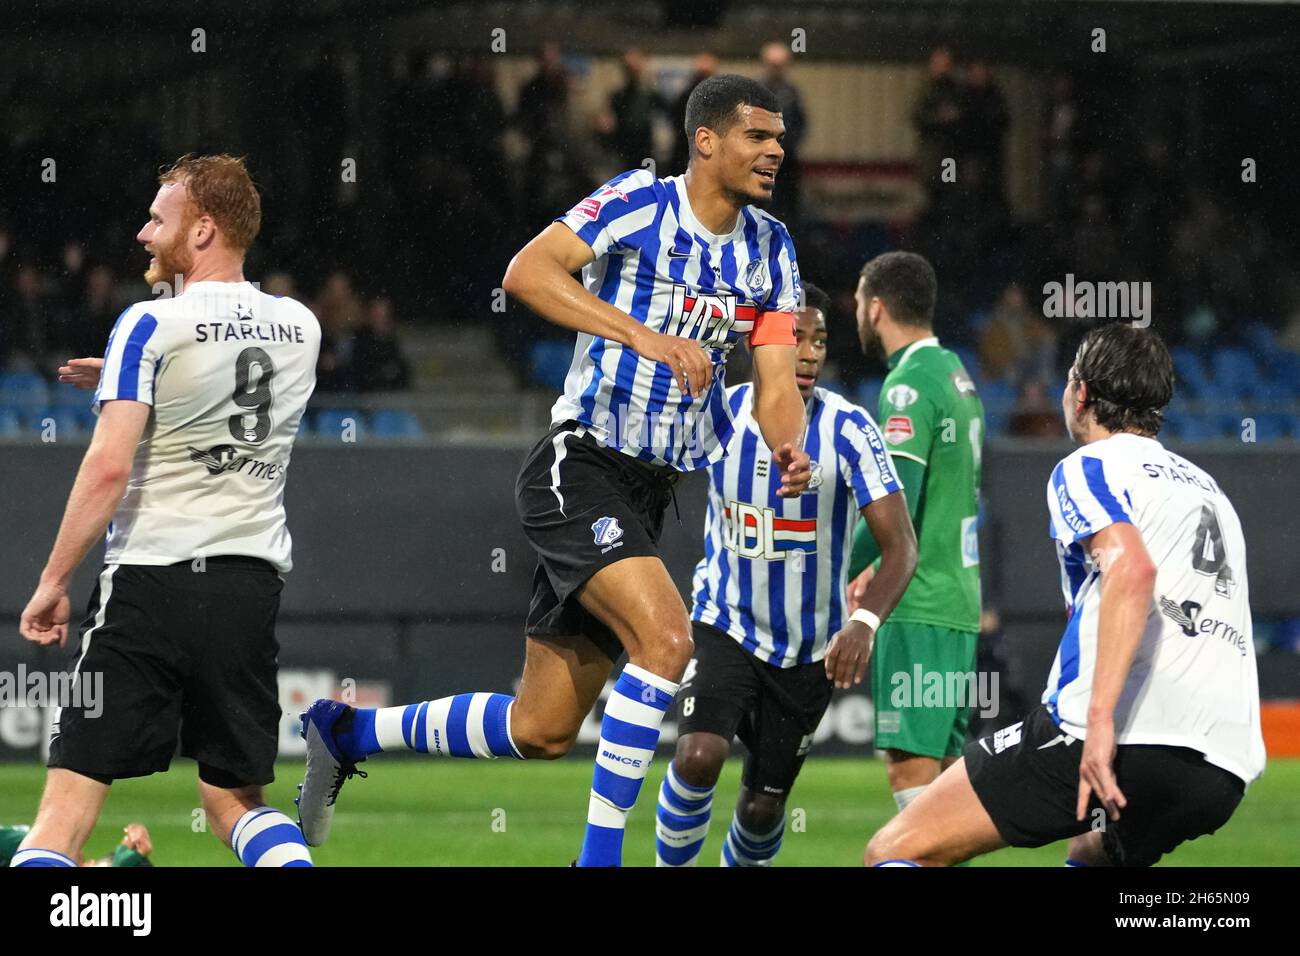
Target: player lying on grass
{"x":1149,"y":728}
{"x":134,"y":849}
{"x":933,"y":424}
{"x":674,"y":272}
{"x":771,"y":635}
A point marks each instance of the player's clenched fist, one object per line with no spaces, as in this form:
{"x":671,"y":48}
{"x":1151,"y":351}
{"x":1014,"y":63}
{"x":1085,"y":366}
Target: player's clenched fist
{"x":690,"y":363}
{"x":82,"y":372}
{"x":847,"y":657}
{"x":45,"y":619}
{"x":796,"y":470}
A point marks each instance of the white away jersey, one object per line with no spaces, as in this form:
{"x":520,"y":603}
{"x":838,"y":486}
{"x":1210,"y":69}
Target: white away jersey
{"x":228,"y":370}
{"x":1193,"y":681}
{"x":655,"y":262}
{"x":775,"y":569}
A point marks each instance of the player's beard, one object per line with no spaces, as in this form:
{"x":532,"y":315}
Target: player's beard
{"x":870,"y":342}
{"x":172,"y":261}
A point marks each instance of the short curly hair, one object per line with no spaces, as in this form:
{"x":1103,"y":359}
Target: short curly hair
{"x":220,"y":187}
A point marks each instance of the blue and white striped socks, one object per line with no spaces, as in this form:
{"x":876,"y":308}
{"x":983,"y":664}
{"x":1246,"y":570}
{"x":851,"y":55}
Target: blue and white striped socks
{"x":682,"y":821}
{"x":744,"y":848}
{"x":466,"y":725}
{"x":629,"y":733}
{"x":266,"y":837}
{"x":38,"y":857}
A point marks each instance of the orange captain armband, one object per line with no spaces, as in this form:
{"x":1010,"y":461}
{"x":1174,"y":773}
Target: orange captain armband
{"x":773,"y":328}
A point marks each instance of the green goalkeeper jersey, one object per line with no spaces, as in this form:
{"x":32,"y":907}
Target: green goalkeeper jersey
{"x":932,"y":418}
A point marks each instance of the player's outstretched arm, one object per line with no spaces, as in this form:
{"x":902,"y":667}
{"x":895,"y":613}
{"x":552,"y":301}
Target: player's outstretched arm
{"x":98,"y":490}
{"x":779,"y":412}
{"x":541,"y":277}
{"x":1128,"y":578}
{"x":891,"y":527}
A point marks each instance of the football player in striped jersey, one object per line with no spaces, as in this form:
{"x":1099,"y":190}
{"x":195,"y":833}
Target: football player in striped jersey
{"x":772,"y":633}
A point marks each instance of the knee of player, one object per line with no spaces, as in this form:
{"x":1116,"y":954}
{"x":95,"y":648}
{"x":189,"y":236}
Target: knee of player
{"x":698,"y":763}
{"x":674,"y":644}
{"x":760,"y":812}
{"x":544,"y":745}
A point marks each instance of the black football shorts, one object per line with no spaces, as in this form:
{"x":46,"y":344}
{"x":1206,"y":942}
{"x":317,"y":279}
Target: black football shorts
{"x":583,"y":507}
{"x":773,"y":710}
{"x":1027,"y":777}
{"x":180,"y":654}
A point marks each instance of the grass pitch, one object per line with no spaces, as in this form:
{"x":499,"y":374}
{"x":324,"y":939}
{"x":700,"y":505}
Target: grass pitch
{"x":443,"y":812}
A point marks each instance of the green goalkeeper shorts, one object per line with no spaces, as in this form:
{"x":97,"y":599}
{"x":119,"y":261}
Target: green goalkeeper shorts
{"x":922,"y":685}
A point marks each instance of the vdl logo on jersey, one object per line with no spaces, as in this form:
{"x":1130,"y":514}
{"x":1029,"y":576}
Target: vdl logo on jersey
{"x":706,"y":316}
{"x":754,"y":532}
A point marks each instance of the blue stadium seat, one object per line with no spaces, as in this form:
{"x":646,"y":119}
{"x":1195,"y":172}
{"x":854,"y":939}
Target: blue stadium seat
{"x":1285,"y":367}
{"x":330,"y":423}
{"x":395,"y":423}
{"x":69,"y":396}
{"x":1235,"y":374}
{"x":24,"y":390}
{"x":1261,"y":340}
{"x":549,"y":364}
{"x":1192,"y":378}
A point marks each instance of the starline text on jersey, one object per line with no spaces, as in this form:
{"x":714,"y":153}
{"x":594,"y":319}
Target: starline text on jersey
{"x":247,"y":332}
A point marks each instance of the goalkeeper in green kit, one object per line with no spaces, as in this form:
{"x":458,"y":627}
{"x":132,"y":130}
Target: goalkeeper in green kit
{"x":933,"y":425}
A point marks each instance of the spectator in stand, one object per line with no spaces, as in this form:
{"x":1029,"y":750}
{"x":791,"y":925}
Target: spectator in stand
{"x":1016,"y":344}
{"x":338,"y":310}
{"x":1036,"y":414}
{"x":984,"y":127}
{"x":553,"y":172}
{"x":937,"y":117}
{"x":85,"y":322}
{"x":1062,"y":130}
{"x":24,"y":325}
{"x":378,"y":364}
{"x":776,"y":62}
{"x":705,"y":65}
{"x":632,"y":112}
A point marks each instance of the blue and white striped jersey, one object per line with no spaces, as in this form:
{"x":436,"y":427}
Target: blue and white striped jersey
{"x":228,"y":370}
{"x":1193,"y":681}
{"x":655,"y":262}
{"x":775,"y":569}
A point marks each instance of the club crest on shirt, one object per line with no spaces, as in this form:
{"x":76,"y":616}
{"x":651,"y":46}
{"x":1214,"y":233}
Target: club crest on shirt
{"x":900,"y":396}
{"x":756,"y":278}
{"x":607,"y":530}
